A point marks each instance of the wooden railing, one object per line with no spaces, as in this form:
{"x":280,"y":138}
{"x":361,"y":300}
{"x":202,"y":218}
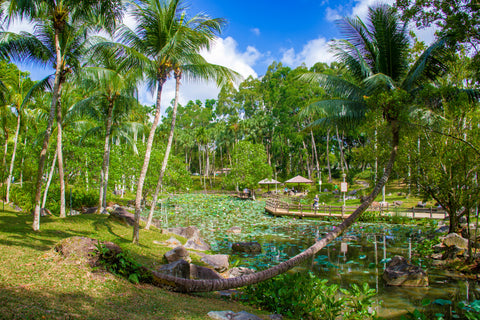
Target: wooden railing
{"x":278,"y":207}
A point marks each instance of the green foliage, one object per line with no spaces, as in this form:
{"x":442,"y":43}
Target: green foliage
{"x":305,"y":296}
{"x":249,"y":166}
{"x":22,"y":196}
{"x":122,"y":264}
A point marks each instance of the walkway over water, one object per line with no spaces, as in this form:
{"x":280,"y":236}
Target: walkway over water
{"x":280,"y":208}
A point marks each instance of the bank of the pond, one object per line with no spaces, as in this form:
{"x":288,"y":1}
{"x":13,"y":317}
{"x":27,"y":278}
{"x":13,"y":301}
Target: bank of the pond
{"x":36,"y":284}
{"x":358,"y":256}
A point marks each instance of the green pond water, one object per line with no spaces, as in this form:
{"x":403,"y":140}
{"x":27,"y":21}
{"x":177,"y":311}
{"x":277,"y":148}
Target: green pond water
{"x":358,"y":256}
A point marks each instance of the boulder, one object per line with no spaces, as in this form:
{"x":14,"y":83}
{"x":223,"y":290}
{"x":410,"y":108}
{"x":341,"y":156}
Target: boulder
{"x":439,"y":248}
{"x":173,"y":242}
{"x":421,"y":204}
{"x":179,"y":269}
{"x":248,"y":247}
{"x":123,"y":216}
{"x":454,"y":239}
{"x":89,"y":210}
{"x":326,"y":190}
{"x":442,"y":229}
{"x":352,"y":192}
{"x":203,"y":273}
{"x":400,"y":273}
{"x":218,"y":261}
{"x":197,"y":244}
{"x":336,"y":192}
{"x":452,"y":252}
{"x":397,"y":203}
{"x":235,"y":230}
{"x":74,"y":213}
{"x":84,"y":249}
{"x":178,"y":253}
{"x":239,"y":271}
{"x":186,"y":232}
{"x":230,"y":315}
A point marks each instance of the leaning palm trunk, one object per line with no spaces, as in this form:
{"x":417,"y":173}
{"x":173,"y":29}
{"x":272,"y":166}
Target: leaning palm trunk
{"x":141,"y":179}
{"x":188,"y":285}
{"x":48,"y":132}
{"x":167,"y":152}
{"x":106,"y":148}
{"x":61,"y":174}
{"x":10,"y":173}
{"x":50,"y":176}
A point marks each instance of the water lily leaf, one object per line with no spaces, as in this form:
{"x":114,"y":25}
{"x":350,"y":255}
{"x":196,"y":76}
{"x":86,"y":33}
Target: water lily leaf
{"x":442,"y":302}
{"x":362,"y":257}
{"x":426,"y":302}
{"x":372,"y":265}
{"x":387,"y":260}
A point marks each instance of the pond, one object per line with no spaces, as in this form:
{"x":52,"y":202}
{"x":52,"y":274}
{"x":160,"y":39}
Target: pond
{"x":358,"y":256}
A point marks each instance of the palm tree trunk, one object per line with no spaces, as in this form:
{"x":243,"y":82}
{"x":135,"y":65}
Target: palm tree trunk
{"x":141,"y":179}
{"x":50,"y":176}
{"x":341,"y":150}
{"x":4,"y":160}
{"x":188,"y":285}
{"x":106,"y":148}
{"x":307,"y":160}
{"x":105,"y":188}
{"x":316,"y":154}
{"x":167,"y":151}
{"x":48,"y":132}
{"x":61,"y":173}
{"x":328,"y":158}
{"x":12,"y":161}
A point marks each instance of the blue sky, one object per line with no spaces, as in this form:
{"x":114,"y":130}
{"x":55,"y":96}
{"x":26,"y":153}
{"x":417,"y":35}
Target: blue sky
{"x":259,"y":32}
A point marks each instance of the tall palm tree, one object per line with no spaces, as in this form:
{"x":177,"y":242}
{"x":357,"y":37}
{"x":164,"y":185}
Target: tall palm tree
{"x":54,"y":20}
{"x":192,"y":65}
{"x":376,"y":56}
{"x":155,"y":46}
{"x":112,"y":95}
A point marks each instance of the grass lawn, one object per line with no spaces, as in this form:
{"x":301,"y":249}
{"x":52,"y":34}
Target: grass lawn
{"x":36,"y":283}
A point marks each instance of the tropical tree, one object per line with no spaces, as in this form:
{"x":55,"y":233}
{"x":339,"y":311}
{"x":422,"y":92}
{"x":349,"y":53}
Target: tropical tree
{"x":52,"y":43}
{"x":377,"y":58}
{"x":111,"y":96}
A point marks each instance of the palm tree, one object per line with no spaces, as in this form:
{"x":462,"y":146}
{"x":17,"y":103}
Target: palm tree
{"x":376,"y":56}
{"x":111,"y":97}
{"x":50,"y":44}
{"x":160,"y":39}
{"x":193,"y":66}
{"x":19,"y":96}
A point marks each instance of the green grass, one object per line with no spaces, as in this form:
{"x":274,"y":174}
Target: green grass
{"x":36,"y":283}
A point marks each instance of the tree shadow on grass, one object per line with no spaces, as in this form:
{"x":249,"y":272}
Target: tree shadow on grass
{"x":126,"y":302}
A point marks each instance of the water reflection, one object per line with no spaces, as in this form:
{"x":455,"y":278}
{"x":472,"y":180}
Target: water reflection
{"x":360,"y":256}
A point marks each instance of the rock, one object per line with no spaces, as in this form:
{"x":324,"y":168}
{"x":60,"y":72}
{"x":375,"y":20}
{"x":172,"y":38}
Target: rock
{"x":203,"y":273}
{"x":18,"y":209}
{"x":248,"y":247}
{"x":186,"y":232}
{"x":442,"y":229}
{"x":400,"y":273}
{"x":336,"y":192}
{"x":74,"y":213}
{"x":453,"y":239}
{"x":82,"y":248}
{"x":439,"y":248}
{"x":352,"y":192}
{"x":436,"y":256}
{"x":89,"y":210}
{"x":179,"y":269}
{"x":375,"y":205}
{"x":230,"y":315}
{"x":326,"y":190}
{"x":275,"y":317}
{"x":397,"y":203}
{"x":400,"y":194}
{"x":235,"y":230}
{"x":178,"y":253}
{"x":218,"y":261}
{"x":452,"y":252}
{"x":421,"y":204}
{"x":197,"y":244}
{"x":123,"y":216}
{"x":173,"y":242}
{"x":439,"y":263}
{"x":44,"y":212}
{"x":239,"y":271}
{"x":349,"y":238}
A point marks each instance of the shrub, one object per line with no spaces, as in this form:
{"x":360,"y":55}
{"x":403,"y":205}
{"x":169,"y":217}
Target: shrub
{"x":304,"y":296}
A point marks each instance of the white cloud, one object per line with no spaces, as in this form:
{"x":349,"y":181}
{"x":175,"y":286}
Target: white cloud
{"x":332,"y":14}
{"x":361,"y":7}
{"x":255,"y":31}
{"x":314,"y":51}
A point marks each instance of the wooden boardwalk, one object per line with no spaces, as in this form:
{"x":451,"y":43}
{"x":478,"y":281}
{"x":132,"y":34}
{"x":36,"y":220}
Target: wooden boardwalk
{"x":280,"y":208}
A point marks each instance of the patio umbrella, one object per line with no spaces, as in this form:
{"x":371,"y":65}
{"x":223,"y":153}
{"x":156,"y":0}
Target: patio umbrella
{"x":268,"y":182}
{"x":298,"y":180}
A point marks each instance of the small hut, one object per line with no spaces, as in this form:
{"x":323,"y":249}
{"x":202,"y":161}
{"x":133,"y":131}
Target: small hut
{"x":298,"y":180}
{"x":268,"y":182}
